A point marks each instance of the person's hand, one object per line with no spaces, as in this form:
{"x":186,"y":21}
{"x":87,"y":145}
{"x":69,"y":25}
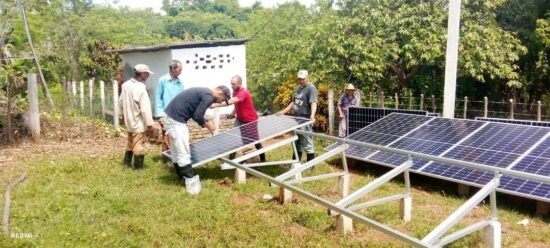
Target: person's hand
{"x":230,"y":116}
{"x":210,"y":126}
{"x":161,"y":120}
{"x":313,"y":118}
{"x":341,"y":116}
{"x":279,"y":113}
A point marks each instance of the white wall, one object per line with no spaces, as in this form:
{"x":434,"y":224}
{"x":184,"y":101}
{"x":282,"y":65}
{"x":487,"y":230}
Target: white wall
{"x":158,"y":63}
{"x":194,"y":61}
{"x":212,"y":66}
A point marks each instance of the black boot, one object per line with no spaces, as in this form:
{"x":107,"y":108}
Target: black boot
{"x":187,"y":171}
{"x":299,"y":156}
{"x":138,"y":162}
{"x":310,"y":156}
{"x":128,"y":158}
{"x":178,"y":171}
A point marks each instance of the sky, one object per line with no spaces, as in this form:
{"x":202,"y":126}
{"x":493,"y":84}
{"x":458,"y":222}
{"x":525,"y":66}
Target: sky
{"x":157,"y":4}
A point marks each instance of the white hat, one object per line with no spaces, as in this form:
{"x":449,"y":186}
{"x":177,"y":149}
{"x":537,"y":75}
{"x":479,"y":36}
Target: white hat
{"x":350,"y":87}
{"x":302,"y":74}
{"x":143,"y":68}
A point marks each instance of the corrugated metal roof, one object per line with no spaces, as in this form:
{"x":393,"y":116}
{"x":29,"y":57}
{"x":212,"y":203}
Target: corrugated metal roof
{"x":194,"y":44}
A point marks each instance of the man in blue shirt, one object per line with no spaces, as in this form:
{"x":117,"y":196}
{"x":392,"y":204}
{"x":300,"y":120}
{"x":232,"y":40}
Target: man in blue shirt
{"x":168,"y":87}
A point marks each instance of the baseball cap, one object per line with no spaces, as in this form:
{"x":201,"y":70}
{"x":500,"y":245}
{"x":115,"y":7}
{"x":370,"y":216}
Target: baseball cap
{"x":143,"y":68}
{"x":302,"y":74}
{"x":226,"y":93}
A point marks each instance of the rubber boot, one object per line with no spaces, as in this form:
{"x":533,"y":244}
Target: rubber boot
{"x":138,"y":162}
{"x":187,"y":171}
{"x":128,"y":159}
{"x":310,"y":156}
{"x":178,"y":171}
{"x":299,"y":156}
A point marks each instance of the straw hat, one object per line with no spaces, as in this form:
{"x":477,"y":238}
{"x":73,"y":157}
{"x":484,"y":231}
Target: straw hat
{"x":350,"y":87}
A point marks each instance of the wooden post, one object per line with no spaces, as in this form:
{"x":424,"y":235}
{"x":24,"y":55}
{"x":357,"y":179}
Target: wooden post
{"x":116,"y":108}
{"x":34,"y":113}
{"x":381,"y":99}
{"x":344,"y":224}
{"x":485,"y":106}
{"x":511,"y":108}
{"x":410,"y":101}
{"x":9,"y":125}
{"x":465,"y":107}
{"x":81,"y":96}
{"x":421,"y":102}
{"x":65,"y":97}
{"x":216,"y":119}
{"x":91,"y":86}
{"x":539,"y":111}
{"x":102,"y":98}
{"x":357,"y":95}
{"x":73,"y":83}
{"x":433,"y":104}
{"x":285,"y":196}
{"x":330,"y":112}
{"x":396,"y":101}
{"x":370,"y":99}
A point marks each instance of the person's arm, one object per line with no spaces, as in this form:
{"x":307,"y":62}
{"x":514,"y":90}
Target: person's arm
{"x":313,"y":111}
{"x":340,"y":110}
{"x":198,"y":115}
{"x":159,"y":99}
{"x":231,"y":101}
{"x":285,"y":110}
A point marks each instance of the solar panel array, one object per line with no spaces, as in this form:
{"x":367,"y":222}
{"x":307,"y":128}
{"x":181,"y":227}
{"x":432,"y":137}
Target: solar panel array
{"x":360,"y":117}
{"x":514,"y":147}
{"x":519,"y":122}
{"x":222,"y":144}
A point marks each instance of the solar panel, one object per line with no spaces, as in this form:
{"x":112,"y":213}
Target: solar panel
{"x":522,"y":148}
{"x":519,"y":122}
{"x":222,"y":144}
{"x":360,"y":117}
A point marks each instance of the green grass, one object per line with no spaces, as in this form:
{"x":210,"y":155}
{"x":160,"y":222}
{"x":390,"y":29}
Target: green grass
{"x":85,"y":202}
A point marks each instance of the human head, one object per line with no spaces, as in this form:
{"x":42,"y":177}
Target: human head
{"x":222,"y":93}
{"x":175,"y":67}
{"x":303,"y":77}
{"x":350,"y":89}
{"x":142,"y":72}
{"x":236,"y":82}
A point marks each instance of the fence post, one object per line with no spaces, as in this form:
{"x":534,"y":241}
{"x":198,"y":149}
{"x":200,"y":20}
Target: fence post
{"x":421,"y":102}
{"x":433,"y":104}
{"x":381,"y":100}
{"x":81,"y":96}
{"x":410,"y":101}
{"x":10,"y":104}
{"x":102,"y":98}
{"x":396,"y":101}
{"x":330,"y":111}
{"x":465,"y":107}
{"x":34,"y":113}
{"x":539,"y":111}
{"x":115,"y":105}
{"x":357,"y":95}
{"x":370,"y":99}
{"x":511,"y":108}
{"x":91,"y":86}
{"x":73,"y":83}
{"x":485,"y":106}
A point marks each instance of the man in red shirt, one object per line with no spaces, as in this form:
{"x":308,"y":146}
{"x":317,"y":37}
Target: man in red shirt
{"x":244,"y":109}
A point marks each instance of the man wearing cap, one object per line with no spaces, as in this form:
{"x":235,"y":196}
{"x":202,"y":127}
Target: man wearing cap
{"x":135,"y":106}
{"x":190,"y":104}
{"x":347,"y":99}
{"x":168,"y":87}
{"x":304,"y":104}
{"x":244,"y":108}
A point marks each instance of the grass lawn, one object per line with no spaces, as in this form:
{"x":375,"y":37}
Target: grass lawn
{"x":77,"y":200}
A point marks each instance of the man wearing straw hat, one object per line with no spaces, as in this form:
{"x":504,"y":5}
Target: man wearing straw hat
{"x":347,"y":99}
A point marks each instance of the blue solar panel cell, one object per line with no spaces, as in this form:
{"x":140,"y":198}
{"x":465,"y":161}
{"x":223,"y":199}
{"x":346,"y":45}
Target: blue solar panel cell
{"x":206,"y":148}
{"x":542,"y":150}
{"x":535,"y":165}
{"x":266,"y":127}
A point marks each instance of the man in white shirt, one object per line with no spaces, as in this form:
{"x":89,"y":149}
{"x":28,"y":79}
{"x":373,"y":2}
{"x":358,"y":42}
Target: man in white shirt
{"x":136,"y":107}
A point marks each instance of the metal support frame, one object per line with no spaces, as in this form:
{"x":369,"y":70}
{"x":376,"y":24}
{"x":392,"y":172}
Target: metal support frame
{"x":312,"y":163}
{"x":240,"y":159}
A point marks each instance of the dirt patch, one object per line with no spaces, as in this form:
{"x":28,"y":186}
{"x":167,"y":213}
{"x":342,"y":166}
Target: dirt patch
{"x":241,"y":200}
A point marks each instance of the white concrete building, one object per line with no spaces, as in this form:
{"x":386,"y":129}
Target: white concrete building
{"x":205,"y":63}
